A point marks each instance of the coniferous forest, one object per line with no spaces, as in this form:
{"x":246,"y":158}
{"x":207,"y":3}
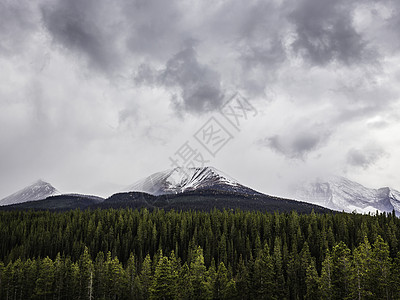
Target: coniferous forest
{"x":141,"y":254}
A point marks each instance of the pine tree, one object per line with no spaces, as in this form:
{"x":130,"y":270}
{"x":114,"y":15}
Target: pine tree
{"x":312,"y":282}
{"x":86,"y":275}
{"x":381,"y":268}
{"x":326,"y":284}
{"x":394,"y":282}
{"x":341,"y":275}
{"x":305,"y":261}
{"x":279,"y":289}
{"x":293,"y":267}
{"x":185,"y":289}
{"x":59,"y":273}
{"x":221,"y":282}
{"x":201,"y":290}
{"x":361,"y":271}
{"x":146,"y":277}
{"x":264,"y":274}
{"x":116,"y":278}
{"x":45,"y":283}
{"x":242,"y":279}
{"x":100,"y":277}
{"x":1,"y":278}
{"x":164,"y":280}
{"x":132,"y":277}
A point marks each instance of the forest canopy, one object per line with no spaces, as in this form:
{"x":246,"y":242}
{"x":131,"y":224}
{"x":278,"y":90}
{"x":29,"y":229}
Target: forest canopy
{"x":138,"y":254}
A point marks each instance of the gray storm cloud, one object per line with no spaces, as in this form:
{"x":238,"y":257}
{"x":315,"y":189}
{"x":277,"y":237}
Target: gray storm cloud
{"x":18,"y":21}
{"x":364,"y":157}
{"x":100,"y":83}
{"x":297,"y":144}
{"x":325,"y":32}
{"x":199,"y":85}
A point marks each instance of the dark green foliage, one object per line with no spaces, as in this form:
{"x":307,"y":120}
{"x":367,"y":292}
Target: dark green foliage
{"x":126,"y":254}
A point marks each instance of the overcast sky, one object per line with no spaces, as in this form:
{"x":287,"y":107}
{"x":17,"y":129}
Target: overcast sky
{"x":95,"y":95}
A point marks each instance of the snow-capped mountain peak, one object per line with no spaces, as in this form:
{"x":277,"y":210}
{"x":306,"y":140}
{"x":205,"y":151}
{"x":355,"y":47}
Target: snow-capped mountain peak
{"x":339,"y":193}
{"x":179,"y":180}
{"x":37,"y":191}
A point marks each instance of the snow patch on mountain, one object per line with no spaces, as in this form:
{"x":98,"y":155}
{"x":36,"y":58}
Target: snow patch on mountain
{"x":179,"y":180}
{"x":340,"y":193}
{"x":37,"y":191}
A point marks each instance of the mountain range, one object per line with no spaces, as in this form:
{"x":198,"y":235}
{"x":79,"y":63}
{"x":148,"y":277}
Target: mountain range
{"x":339,"y":193}
{"x":207,"y":188}
{"x":180,"y":189}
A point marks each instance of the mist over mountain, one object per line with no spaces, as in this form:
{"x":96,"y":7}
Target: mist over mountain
{"x":339,"y":193}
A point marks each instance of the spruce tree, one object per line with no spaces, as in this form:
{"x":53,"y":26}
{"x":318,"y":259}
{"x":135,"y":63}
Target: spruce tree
{"x":326,"y":284}
{"x":312,"y":282}
{"x":264,"y":274}
{"x":381,"y":268}
{"x":45,"y":283}
{"x":201,"y":289}
{"x":361,"y":271}
{"x":164,"y":281}
{"x":146,"y":277}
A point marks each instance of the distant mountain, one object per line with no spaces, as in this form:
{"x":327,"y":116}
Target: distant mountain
{"x":57,"y":203}
{"x":181,"y":189}
{"x":37,"y":191}
{"x":179,"y":180}
{"x":339,"y":193}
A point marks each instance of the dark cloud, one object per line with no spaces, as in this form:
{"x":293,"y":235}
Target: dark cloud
{"x":108,"y":33}
{"x":262,"y":34}
{"x":80,"y":27}
{"x":17,"y":22}
{"x":199,"y":85}
{"x":365,"y":157}
{"x":325,"y":32}
{"x":154,"y":27}
{"x":297,"y":145}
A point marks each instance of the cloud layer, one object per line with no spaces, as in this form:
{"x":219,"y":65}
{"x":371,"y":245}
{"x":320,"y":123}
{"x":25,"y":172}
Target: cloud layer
{"x":105,"y":91}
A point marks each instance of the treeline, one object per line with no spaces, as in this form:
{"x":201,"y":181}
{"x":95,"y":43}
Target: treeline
{"x":125,"y":254}
{"x":368,"y":273}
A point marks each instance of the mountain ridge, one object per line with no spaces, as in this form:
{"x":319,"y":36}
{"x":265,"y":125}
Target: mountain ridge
{"x":36,"y":191}
{"x":178,"y":180}
{"x":340,"y":193}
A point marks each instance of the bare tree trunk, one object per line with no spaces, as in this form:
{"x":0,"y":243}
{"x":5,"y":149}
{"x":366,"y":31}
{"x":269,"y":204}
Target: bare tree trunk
{"x":90,"y":286}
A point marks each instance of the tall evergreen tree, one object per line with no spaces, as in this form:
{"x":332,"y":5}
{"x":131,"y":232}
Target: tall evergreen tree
{"x":312,"y":282}
{"x":381,"y":269}
{"x":146,"y":277}
{"x":279,"y":289}
{"x":326,"y":284}
{"x":164,"y":284}
{"x":341,"y":275}
{"x":45,"y":282}
{"x":361,"y":271}
{"x":201,"y":289}
{"x":264,"y":274}
{"x":86,"y":275}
